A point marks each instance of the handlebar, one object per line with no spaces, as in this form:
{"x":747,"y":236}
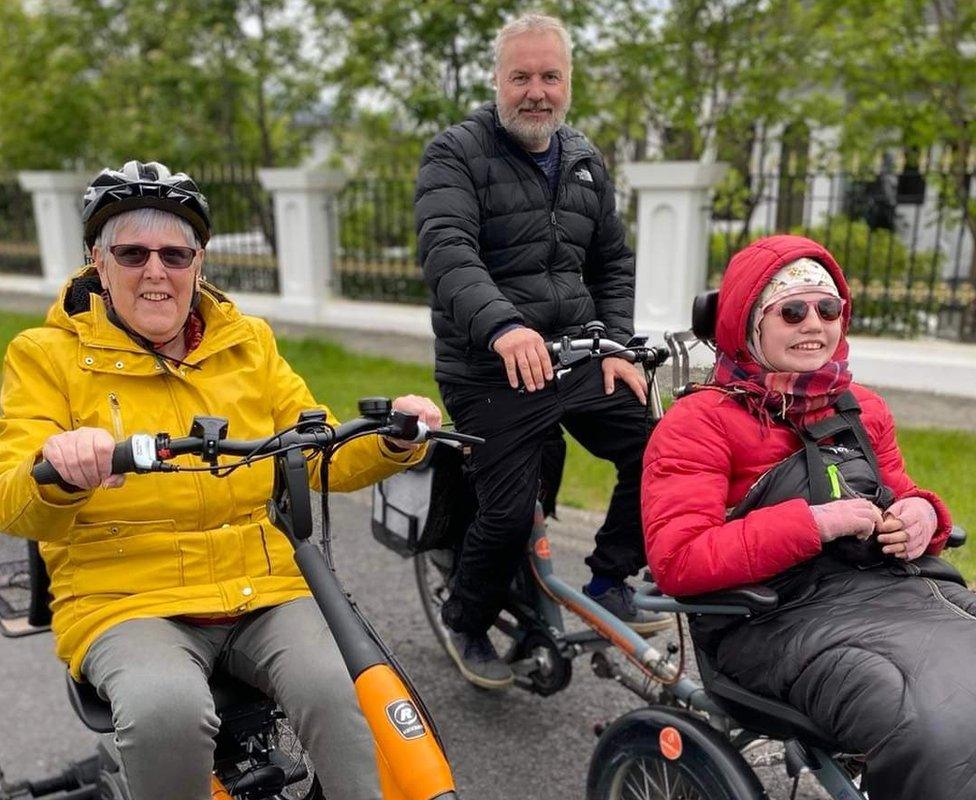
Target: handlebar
{"x":571,"y":352}
{"x":144,"y":452}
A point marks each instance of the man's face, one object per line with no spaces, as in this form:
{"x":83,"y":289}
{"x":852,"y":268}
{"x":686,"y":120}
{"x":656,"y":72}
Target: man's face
{"x":532,"y":87}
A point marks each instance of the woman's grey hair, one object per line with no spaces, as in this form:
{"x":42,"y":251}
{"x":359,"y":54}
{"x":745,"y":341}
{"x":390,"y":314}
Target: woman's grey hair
{"x":532,"y":23}
{"x":150,"y":220}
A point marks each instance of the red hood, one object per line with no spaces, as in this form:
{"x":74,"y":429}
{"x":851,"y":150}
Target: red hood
{"x":749,"y":271}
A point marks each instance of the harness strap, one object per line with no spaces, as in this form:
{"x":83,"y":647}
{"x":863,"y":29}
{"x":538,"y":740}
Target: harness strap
{"x":847,"y":418}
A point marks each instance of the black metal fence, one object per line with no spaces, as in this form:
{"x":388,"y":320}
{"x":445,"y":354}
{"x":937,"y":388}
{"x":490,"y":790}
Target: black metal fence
{"x":375,"y":255}
{"x":241,"y":255}
{"x":905,"y":241}
{"x":19,"y":252}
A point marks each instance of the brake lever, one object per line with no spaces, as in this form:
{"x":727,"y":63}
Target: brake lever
{"x":454,"y":436}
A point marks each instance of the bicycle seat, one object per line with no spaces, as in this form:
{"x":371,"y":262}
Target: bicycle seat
{"x":759,"y":714}
{"x":96,"y":714}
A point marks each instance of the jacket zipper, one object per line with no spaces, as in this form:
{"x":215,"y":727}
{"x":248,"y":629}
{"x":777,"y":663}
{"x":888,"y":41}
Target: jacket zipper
{"x":553,"y":198}
{"x":115,"y":411}
{"x":937,"y":593}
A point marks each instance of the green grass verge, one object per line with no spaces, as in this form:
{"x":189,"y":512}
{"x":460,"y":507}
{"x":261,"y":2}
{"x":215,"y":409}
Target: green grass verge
{"x":937,"y":459}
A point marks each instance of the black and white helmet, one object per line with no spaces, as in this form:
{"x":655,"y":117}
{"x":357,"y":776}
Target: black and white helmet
{"x":139,"y":185}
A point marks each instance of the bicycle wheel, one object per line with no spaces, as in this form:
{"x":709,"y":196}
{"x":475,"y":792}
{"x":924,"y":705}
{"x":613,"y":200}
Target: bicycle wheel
{"x":286,"y":744}
{"x":662,"y":754}
{"x":433,"y":570}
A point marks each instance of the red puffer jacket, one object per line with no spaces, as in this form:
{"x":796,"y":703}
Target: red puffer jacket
{"x":708,"y":450}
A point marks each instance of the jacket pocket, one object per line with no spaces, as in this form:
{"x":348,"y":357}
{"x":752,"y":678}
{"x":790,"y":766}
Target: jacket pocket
{"x":127,"y":558}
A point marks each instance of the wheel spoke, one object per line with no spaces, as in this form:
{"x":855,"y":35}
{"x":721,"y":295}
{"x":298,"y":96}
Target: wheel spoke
{"x":649,"y":780}
{"x":646,"y":774}
{"x":636,"y":791}
{"x":665,"y":776}
{"x":683,"y":789}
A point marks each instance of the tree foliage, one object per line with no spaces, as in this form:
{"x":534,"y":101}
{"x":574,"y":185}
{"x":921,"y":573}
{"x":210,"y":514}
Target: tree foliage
{"x":914,"y":89}
{"x":194,"y":80}
{"x":183,"y":81}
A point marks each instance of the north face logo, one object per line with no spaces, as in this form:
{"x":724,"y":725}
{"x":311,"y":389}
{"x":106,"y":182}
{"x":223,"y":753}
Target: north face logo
{"x":584,"y":175}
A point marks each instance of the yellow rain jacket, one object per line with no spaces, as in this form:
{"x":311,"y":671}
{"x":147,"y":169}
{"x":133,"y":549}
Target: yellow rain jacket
{"x":162,"y":544}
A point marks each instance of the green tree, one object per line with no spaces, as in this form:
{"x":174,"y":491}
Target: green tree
{"x":428,"y":63}
{"x":45,"y":96}
{"x":913,"y":87}
{"x":692,"y":74}
{"x":183,"y":81}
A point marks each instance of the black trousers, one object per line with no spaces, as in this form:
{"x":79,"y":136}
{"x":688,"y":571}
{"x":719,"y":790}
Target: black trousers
{"x":506,"y":475}
{"x":885,"y":665}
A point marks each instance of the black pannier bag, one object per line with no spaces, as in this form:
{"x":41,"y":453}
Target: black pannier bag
{"x":426,"y":507}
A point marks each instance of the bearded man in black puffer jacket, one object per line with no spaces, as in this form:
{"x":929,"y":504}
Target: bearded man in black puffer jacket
{"x":520,"y":243}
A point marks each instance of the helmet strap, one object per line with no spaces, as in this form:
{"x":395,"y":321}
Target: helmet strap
{"x":146,"y":344}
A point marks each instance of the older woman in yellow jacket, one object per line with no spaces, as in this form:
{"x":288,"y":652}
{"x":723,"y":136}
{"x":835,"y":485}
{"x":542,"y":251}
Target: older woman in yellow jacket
{"x":159,"y":579}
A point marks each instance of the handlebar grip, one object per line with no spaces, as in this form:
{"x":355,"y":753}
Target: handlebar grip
{"x":135,"y":454}
{"x":45,"y":474}
{"x":123,"y":458}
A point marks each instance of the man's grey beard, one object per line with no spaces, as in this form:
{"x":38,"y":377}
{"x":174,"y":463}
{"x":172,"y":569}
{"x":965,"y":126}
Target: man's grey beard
{"x":529,"y":134}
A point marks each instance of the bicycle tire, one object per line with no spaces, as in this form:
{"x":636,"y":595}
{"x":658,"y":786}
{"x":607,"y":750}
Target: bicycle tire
{"x":286,"y":740}
{"x":433,"y":570}
{"x":629,"y":764}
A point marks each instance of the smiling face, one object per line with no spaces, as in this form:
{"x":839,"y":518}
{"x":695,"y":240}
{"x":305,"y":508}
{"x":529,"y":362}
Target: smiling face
{"x":803,"y":347}
{"x":532,"y":87}
{"x":153,"y":300}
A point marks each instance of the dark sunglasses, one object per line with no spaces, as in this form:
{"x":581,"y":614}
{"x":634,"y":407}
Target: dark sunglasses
{"x":794,"y":312}
{"x":135,"y":255}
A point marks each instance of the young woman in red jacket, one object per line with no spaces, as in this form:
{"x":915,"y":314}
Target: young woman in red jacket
{"x":780,"y":470}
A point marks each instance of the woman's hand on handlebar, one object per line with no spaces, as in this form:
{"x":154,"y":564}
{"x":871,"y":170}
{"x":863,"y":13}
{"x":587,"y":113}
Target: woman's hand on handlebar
{"x":426,"y":411}
{"x":630,"y":374}
{"x":524,"y":352}
{"x":83,"y":458}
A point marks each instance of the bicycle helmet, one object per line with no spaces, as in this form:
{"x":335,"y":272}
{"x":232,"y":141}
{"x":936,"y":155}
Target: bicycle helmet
{"x":139,"y":185}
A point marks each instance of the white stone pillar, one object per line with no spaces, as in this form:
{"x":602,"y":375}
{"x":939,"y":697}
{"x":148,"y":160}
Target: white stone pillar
{"x":766,"y":156}
{"x":825,"y":194}
{"x":673,"y":203}
{"x":57,"y":213}
{"x":304,"y":201}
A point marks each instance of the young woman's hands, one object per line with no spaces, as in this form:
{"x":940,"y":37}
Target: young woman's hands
{"x":907,"y":528}
{"x":853,"y":517}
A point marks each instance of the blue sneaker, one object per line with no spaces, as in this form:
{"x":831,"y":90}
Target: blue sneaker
{"x":619,"y":601}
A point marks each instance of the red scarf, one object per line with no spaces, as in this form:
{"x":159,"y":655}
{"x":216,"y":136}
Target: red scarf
{"x":193,"y":328}
{"x":786,"y":395}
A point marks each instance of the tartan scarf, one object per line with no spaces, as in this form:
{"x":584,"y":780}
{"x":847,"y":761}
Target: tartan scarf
{"x":783,"y":395}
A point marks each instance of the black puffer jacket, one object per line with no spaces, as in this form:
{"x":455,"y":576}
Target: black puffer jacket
{"x":497,"y":248}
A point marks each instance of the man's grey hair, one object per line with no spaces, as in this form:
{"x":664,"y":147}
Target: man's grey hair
{"x":149,"y":220}
{"x":532,"y":23}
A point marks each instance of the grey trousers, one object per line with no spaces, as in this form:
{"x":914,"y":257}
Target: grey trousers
{"x":155,"y":672}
